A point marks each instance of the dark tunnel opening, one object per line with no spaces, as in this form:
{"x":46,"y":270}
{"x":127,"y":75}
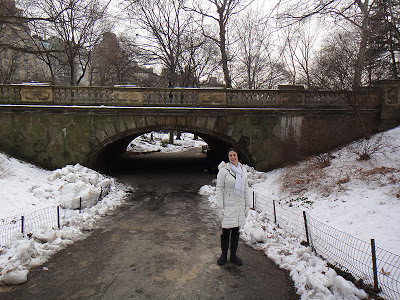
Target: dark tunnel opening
{"x":111,"y":158}
{"x":200,"y":159}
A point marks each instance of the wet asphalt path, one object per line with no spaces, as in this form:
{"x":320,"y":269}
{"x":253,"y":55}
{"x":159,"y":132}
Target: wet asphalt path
{"x":163,"y":243}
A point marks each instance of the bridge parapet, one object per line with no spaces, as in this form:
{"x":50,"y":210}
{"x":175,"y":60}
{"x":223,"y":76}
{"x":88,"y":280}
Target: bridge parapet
{"x":188,"y":97}
{"x":57,"y":125}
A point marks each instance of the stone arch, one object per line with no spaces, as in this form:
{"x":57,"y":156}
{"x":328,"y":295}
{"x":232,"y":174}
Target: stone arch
{"x":106,"y":153}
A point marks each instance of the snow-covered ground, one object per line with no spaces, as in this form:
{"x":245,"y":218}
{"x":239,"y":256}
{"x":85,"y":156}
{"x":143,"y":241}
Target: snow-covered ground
{"x":357,"y":197}
{"x":158,"y":141}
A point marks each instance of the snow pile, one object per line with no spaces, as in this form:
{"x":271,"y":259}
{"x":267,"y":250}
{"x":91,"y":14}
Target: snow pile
{"x":26,"y":188}
{"x":144,"y":144}
{"x":312,"y":277}
{"x":74,"y":186}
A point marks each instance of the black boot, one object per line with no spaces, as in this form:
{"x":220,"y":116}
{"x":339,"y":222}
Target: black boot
{"x":224,"y":247}
{"x":234,"y":246}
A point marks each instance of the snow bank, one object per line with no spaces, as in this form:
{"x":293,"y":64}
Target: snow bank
{"x":22,"y":253}
{"x":311,"y":275}
{"x":40,"y":189}
{"x":361,"y":198}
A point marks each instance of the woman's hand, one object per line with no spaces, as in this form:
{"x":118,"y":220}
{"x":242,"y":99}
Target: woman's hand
{"x":221,"y":214}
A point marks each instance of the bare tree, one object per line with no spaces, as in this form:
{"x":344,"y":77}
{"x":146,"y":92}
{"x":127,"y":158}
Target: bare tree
{"x":163,"y":28}
{"x":307,"y":42}
{"x":297,"y":44}
{"x":77,"y":26}
{"x":333,"y":65}
{"x":355,"y":12}
{"x":253,"y":49}
{"x":289,"y":38}
{"x":256,"y":65}
{"x":219,"y":12}
{"x":199,"y":58}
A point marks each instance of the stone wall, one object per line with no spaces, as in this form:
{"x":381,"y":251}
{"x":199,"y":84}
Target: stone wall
{"x":268,"y":138}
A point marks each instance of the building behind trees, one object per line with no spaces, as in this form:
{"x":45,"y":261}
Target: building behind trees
{"x":17,"y":66}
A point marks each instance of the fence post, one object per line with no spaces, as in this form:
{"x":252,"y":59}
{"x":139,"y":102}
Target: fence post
{"x":22,"y":224}
{"x":58,"y":217}
{"x":374,"y":267}
{"x":305,"y":224}
{"x":254,"y":200}
{"x":273,"y":201}
{"x":80,"y":204}
{"x":101,"y":193}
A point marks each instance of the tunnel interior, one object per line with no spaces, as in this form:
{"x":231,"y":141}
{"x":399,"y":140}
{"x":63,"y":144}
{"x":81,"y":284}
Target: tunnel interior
{"x":111,"y":154}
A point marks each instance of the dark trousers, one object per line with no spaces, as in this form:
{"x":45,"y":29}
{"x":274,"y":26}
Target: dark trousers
{"x":226,"y":232}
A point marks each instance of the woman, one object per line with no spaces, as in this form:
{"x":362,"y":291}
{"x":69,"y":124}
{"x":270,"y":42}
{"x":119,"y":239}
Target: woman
{"x":233,"y":202}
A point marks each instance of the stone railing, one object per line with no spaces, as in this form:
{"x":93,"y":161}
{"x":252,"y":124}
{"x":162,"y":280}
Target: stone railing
{"x":286,"y":97}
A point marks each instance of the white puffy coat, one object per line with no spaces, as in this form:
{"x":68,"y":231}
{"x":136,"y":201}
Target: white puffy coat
{"x":232,"y":207}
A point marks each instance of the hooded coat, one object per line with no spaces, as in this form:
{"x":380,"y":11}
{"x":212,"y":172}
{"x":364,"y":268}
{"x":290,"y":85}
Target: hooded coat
{"x":232,"y":207}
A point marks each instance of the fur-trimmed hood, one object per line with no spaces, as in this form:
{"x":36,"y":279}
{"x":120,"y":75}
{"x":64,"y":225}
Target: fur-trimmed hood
{"x":223,"y":165}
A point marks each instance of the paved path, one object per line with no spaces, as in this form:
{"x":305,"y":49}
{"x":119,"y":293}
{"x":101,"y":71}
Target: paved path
{"x":162,"y":244}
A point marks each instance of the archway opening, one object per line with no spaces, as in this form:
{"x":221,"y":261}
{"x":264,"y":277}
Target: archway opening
{"x":117,"y":151}
{"x":159,"y":156}
{"x":166,"y":142}
{"x":163,"y":172}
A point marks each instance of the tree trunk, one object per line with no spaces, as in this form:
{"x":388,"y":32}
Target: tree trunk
{"x":222,"y":46}
{"x":224,"y":57}
{"x":395,"y":72}
{"x":360,"y":62}
{"x":72,"y":72}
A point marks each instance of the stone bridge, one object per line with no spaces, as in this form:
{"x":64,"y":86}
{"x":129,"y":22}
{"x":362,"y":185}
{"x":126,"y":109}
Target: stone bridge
{"x":52,"y":126}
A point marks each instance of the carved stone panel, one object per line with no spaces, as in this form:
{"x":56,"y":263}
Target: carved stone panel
{"x":212,"y":98}
{"x":128,"y":98}
{"x":37,"y":94}
{"x":392,"y":95}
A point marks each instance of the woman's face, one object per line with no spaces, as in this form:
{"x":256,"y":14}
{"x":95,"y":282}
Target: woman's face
{"x":233,"y":158}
